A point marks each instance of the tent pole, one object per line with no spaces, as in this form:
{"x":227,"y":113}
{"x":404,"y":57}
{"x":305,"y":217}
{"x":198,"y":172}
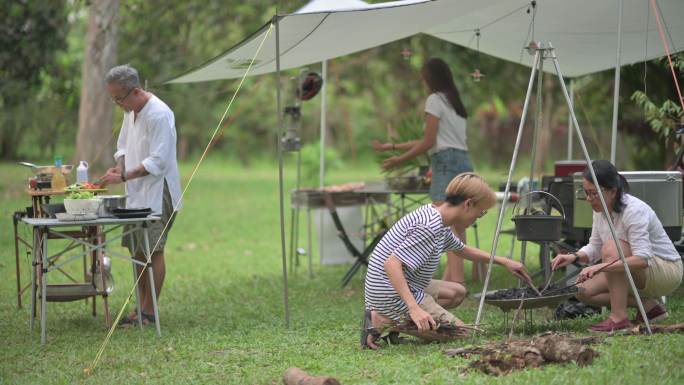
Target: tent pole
{"x":572,"y":100}
{"x":628,"y":274}
{"x":616,"y":88}
{"x":537,"y":59}
{"x":324,"y":74}
{"x":280,"y":172}
{"x":535,"y":138}
{"x":321,"y":163}
{"x":537,"y":122}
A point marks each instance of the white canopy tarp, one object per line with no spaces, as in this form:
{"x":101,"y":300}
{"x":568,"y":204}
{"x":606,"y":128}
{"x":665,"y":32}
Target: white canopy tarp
{"x":584,"y":32}
{"x":335,"y":5}
{"x":307,"y":38}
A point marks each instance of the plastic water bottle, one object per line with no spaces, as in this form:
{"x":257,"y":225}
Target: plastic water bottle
{"x":82,"y":172}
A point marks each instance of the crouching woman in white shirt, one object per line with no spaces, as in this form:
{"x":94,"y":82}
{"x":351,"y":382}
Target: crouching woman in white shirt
{"x":654,"y":263}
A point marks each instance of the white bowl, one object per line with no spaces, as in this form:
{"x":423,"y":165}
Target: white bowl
{"x":82,"y":206}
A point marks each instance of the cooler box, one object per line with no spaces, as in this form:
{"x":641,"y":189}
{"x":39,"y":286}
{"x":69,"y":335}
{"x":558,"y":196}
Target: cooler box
{"x":331,"y":248}
{"x":662,"y":190}
{"x":568,"y":167}
{"x":562,"y":187}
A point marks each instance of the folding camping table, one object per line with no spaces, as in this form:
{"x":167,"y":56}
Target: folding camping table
{"x":314,"y":198}
{"x":44,"y":263}
{"x":38,"y":198}
{"x":376,"y":222}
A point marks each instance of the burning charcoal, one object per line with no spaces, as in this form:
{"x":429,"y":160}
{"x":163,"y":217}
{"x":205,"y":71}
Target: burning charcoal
{"x":527,"y":292}
{"x":513,"y":293}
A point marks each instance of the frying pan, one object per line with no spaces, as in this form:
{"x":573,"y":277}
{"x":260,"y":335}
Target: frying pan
{"x":47,"y":169}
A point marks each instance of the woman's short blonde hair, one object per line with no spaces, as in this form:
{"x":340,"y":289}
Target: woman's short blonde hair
{"x":469,"y":185}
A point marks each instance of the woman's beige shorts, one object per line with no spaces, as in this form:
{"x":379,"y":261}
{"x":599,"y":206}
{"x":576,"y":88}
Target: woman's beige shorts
{"x":662,"y":278}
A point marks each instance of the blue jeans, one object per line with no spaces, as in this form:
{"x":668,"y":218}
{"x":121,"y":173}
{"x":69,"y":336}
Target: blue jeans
{"x":446,"y":164}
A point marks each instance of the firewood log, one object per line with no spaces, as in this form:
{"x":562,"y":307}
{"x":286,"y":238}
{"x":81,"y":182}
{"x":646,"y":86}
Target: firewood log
{"x":528,"y":353}
{"x":558,"y":348}
{"x":464,"y":352}
{"x":443,"y":333}
{"x":641,"y":329}
{"x":589,"y":340}
{"x":498,"y":363}
{"x":296,"y":376}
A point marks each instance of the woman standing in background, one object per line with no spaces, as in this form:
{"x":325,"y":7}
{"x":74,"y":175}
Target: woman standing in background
{"x":444,"y":138}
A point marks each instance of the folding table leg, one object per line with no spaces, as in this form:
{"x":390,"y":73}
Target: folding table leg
{"x":310,"y":251}
{"x":137,"y":294}
{"x":137,"y":287}
{"x":92,"y":269}
{"x":100,"y":239}
{"x":34,"y":276}
{"x":295,"y":244}
{"x":108,"y":319}
{"x":350,"y":273}
{"x":85,"y":275}
{"x":43,"y":301}
{"x":16,"y":258}
{"x":292,"y":239}
{"x":150,"y":274}
{"x":35,"y":205}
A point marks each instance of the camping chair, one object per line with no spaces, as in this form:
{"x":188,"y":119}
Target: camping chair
{"x":360,"y":256}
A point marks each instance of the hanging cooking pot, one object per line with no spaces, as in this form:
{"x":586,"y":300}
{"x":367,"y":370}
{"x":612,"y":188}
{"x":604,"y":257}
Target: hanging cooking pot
{"x":110,"y":203}
{"x":536,"y":217}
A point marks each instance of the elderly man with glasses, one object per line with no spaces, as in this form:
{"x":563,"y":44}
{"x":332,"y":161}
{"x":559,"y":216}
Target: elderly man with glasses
{"x":146,"y":163}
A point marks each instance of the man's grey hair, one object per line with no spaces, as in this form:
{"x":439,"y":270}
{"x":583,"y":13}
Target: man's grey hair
{"x":124,"y":75}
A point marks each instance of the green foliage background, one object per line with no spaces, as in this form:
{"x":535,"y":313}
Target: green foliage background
{"x":368,"y":91}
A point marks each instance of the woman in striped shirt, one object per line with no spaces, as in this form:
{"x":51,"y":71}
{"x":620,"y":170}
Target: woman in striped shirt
{"x":399,"y":278}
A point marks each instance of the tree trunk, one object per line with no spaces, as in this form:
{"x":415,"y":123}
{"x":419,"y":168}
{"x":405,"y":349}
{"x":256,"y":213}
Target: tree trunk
{"x":95,"y":141}
{"x":9,"y":135}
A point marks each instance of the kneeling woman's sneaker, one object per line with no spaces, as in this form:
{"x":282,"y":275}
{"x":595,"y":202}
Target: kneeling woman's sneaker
{"x":608,"y":325}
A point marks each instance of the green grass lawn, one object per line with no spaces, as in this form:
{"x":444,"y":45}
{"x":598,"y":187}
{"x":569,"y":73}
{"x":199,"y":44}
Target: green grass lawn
{"x":222,"y":308}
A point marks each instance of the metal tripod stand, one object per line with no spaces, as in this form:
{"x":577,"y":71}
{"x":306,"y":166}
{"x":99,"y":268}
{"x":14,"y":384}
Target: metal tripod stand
{"x":542,"y":53}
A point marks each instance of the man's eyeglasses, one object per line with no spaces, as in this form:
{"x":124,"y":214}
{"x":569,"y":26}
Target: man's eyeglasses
{"x":120,"y":99}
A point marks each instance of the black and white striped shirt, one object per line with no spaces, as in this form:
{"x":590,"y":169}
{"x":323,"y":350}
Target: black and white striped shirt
{"x":417,"y":240}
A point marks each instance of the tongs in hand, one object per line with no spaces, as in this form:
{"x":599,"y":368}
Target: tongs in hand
{"x":528,"y":282}
{"x":533,"y":287}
